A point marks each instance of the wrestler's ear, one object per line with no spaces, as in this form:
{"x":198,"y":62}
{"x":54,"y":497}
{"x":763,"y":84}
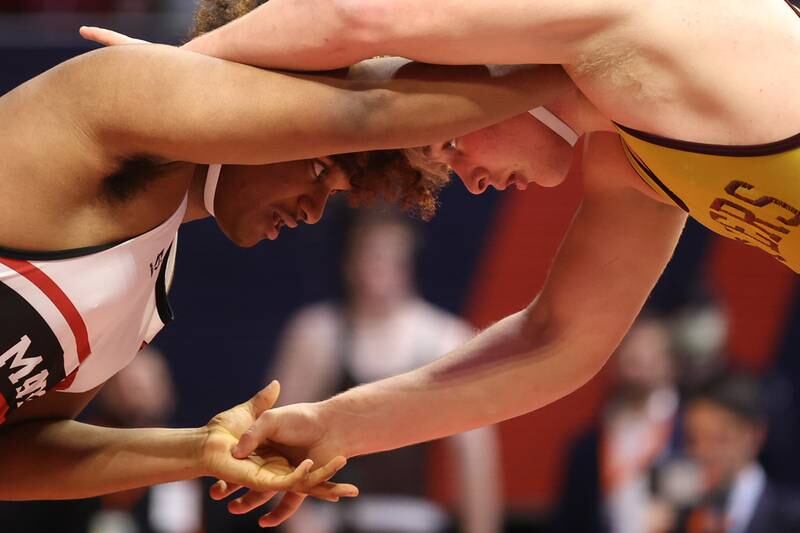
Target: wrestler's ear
{"x":107,"y":37}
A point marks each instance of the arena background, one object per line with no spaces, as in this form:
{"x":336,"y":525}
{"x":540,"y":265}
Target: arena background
{"x":484,"y":257}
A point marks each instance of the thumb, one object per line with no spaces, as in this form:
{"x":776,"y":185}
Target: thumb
{"x":265,"y":399}
{"x":263,"y":429}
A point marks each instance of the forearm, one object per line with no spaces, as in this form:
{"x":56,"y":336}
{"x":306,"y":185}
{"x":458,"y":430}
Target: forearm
{"x":327,"y":34}
{"x":64,"y":459}
{"x":262,"y":117}
{"x":295,"y":35}
{"x":500,"y":374}
{"x":425,"y":104}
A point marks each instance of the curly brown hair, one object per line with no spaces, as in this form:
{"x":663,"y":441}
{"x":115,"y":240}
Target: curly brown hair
{"x":407,"y":177}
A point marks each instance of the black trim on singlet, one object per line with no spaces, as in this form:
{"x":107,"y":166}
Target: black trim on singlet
{"x":28,"y":255}
{"x":163,"y":306}
{"x":794,"y":7}
{"x":753,"y":150}
{"x":652,"y":175}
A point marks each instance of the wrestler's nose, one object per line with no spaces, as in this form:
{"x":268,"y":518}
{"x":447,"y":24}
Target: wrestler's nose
{"x":476,"y":180}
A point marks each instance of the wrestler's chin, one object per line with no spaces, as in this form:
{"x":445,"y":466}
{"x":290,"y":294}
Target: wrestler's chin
{"x":247,"y":241}
{"x":241,"y":237}
{"x":551,"y":177}
{"x":550,"y":183}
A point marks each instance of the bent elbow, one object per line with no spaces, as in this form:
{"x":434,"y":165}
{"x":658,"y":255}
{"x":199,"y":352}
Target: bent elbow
{"x":373,"y":117}
{"x":587,"y":344}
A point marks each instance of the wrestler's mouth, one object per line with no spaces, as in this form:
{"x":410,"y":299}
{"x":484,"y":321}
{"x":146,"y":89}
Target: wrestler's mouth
{"x":279,"y":220}
{"x":516,"y":180}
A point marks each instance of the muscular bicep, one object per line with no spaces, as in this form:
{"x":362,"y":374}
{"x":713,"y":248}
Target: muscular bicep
{"x":614,"y":252}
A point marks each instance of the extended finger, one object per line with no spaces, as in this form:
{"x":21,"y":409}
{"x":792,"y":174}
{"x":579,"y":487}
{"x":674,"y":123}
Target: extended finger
{"x":297,"y":478}
{"x":249,"y":501}
{"x":289,"y":504}
{"x":325,"y":472}
{"x":265,"y":478}
{"x":331,"y":492}
{"x":222,"y":489}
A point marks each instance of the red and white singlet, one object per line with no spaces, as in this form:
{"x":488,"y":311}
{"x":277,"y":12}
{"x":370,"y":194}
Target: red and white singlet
{"x":70,"y":320}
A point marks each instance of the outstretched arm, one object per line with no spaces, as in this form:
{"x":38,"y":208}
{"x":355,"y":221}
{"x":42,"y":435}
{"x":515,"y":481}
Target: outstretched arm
{"x":64,"y":459}
{"x":614,"y":252}
{"x":324,"y":34}
{"x":176,"y":105}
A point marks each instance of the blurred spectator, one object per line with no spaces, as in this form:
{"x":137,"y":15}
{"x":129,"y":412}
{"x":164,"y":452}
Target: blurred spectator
{"x":383,"y":328}
{"x":699,"y":332}
{"x":609,"y":485}
{"x":140,"y":395}
{"x":725,"y":426}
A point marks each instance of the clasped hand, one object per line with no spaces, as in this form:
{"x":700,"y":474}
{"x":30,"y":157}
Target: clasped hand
{"x":266,"y":469}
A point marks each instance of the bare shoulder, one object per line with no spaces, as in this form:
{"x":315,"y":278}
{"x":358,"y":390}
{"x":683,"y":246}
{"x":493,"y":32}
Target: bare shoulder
{"x":50,"y":137}
{"x":317,"y":315}
{"x":89,"y":92}
{"x":319,"y":324}
{"x":51,"y":122}
{"x":43,"y":116}
{"x":48,"y":155}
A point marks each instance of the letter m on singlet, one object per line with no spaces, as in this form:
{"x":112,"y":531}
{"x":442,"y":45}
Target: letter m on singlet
{"x":20,"y":366}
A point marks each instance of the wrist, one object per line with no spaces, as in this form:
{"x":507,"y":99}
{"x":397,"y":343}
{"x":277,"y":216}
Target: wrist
{"x":331,"y":415}
{"x":197,"y":451}
{"x":150,"y":456}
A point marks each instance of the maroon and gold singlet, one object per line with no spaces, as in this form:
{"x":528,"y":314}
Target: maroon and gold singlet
{"x":748,"y":193}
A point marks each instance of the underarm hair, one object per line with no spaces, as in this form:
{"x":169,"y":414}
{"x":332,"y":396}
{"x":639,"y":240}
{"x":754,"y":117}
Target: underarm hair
{"x":132,"y":176}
